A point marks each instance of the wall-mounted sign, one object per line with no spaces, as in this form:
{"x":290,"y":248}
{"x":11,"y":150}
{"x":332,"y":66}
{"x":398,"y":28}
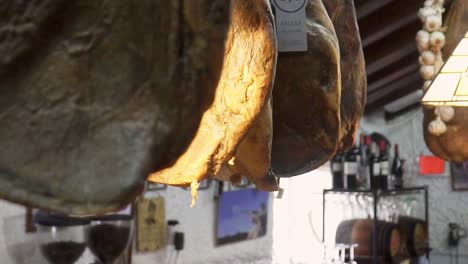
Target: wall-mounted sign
{"x":151,"y":224}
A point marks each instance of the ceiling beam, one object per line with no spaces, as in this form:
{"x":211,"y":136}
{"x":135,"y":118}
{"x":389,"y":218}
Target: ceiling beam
{"x":407,"y":84}
{"x":389,"y":29}
{"x":392,"y":57}
{"x":370,"y":7}
{"x":393,"y":76}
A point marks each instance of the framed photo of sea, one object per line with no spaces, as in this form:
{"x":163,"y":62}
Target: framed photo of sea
{"x":242,"y":215}
{"x":459,"y":175}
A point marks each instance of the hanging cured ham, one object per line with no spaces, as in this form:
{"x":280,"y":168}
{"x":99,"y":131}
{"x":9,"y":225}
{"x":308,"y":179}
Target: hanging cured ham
{"x":353,"y":69}
{"x":97,"y":94}
{"x":241,"y":96}
{"x":253,"y":156}
{"x":306,"y":99}
{"x":451,"y":145}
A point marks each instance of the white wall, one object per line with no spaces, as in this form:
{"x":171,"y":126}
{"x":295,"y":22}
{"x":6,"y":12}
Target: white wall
{"x":197,"y":223}
{"x":296,"y":239}
{"x":199,"y":227}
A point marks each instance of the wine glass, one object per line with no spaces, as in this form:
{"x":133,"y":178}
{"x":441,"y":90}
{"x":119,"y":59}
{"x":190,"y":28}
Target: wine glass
{"x":20,"y":246}
{"x":108,"y":237}
{"x":60,"y":238}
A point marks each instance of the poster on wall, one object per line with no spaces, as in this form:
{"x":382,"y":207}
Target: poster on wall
{"x":459,"y":172}
{"x":242,"y":215}
{"x":151,"y":224}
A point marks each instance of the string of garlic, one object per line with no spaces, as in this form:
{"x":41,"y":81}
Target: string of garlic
{"x":430,"y":41}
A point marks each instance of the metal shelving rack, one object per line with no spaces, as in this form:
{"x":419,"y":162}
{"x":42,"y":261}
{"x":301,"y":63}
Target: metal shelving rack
{"x":377,"y":194}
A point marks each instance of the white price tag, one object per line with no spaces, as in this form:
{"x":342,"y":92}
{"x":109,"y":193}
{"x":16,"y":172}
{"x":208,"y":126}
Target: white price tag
{"x":376,"y":169}
{"x":291,"y":24}
{"x":337,"y":166}
{"x":384,"y":168}
{"x":350,"y":168}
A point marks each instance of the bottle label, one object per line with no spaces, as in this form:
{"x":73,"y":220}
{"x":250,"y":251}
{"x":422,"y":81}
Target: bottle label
{"x":384,"y":168}
{"x":337,"y":166}
{"x":350,"y":168}
{"x":291,"y":25}
{"x":376,"y":169}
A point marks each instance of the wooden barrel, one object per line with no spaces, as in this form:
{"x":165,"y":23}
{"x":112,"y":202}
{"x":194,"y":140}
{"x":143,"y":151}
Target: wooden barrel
{"x":414,"y":234}
{"x":359,"y":231}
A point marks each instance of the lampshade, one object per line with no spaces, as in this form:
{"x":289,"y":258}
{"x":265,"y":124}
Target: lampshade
{"x":450,"y":87}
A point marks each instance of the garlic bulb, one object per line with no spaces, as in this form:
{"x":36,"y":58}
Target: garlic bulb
{"x":437,"y":127}
{"x":433,"y":23}
{"x":427,"y":72}
{"x":437,"y":39}
{"x":426,"y":12}
{"x":423,"y":39}
{"x":428,"y":3}
{"x":427,"y":58}
{"x":446,"y":113}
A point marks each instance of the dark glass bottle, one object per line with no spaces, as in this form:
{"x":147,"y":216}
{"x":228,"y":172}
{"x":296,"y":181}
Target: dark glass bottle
{"x":384,"y":166}
{"x":351,"y":167}
{"x":363,"y":150}
{"x":337,"y":171}
{"x":397,"y":168}
{"x":374,"y":167}
{"x":363,"y":174}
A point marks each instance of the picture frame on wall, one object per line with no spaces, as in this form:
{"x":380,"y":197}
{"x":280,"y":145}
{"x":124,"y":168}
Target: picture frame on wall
{"x":242,"y":215}
{"x":459,"y":176}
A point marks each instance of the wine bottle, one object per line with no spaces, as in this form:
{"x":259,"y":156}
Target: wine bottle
{"x":384,"y":166}
{"x":374,"y":166}
{"x":397,"y":168}
{"x":363,"y":174}
{"x":337,"y":171}
{"x":363,"y":150}
{"x":351,"y":161}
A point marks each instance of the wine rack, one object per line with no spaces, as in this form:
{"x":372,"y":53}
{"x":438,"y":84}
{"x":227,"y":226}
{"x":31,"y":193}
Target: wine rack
{"x":376,"y":196}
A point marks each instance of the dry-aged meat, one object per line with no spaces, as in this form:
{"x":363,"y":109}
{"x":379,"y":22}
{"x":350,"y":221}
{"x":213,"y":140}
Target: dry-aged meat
{"x":109,"y":91}
{"x":21,"y":23}
{"x":306,"y":99}
{"x":353,"y":69}
{"x":253,"y":156}
{"x":453,"y":144}
{"x":243,"y":90}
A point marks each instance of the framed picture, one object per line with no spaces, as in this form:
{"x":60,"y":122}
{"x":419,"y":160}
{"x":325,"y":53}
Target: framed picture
{"x":459,"y":172}
{"x":242,"y":215}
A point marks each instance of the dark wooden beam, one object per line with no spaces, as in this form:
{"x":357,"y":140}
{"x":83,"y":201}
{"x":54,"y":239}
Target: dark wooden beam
{"x":394,"y":67}
{"x":393,"y":76}
{"x":392,"y":13}
{"x":370,"y":7}
{"x":390,"y":92}
{"x":376,"y":65}
{"x":383,"y":32}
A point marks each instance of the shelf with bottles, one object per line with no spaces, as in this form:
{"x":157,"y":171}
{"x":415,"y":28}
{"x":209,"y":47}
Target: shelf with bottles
{"x":366,"y":166}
